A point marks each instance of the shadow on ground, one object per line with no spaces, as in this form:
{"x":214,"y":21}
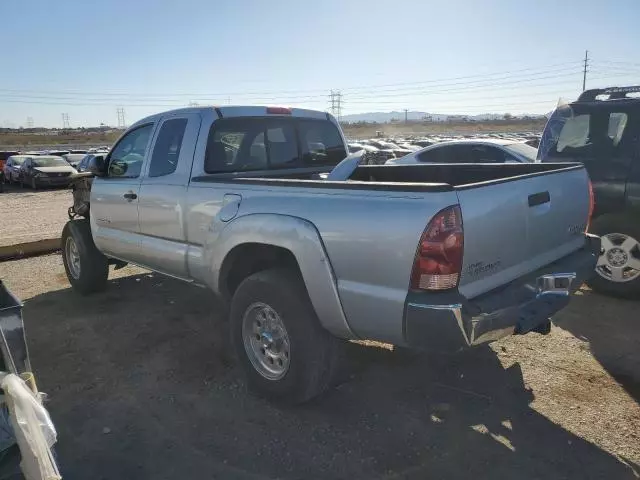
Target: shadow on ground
{"x":613,"y":334}
{"x":141,"y":387}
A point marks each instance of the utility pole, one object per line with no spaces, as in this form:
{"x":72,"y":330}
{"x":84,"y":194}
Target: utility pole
{"x":65,"y":120}
{"x":584,"y":72}
{"x":121,"y":121}
{"x":406,"y":111}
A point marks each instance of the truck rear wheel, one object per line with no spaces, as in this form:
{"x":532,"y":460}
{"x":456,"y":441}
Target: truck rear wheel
{"x":618,"y":268}
{"x":87,"y":269}
{"x":285,"y":352}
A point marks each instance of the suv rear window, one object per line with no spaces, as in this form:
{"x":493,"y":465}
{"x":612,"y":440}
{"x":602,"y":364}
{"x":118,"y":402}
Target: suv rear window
{"x":579,"y":131}
{"x":249,"y":144}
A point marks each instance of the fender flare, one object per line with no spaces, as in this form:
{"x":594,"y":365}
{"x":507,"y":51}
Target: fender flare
{"x":303,"y":240}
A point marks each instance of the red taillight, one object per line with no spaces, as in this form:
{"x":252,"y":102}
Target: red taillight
{"x":592,"y":205}
{"x":438,"y":261}
{"x":279,"y":110}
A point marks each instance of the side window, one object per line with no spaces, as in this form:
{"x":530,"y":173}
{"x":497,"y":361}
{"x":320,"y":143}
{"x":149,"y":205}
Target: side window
{"x":320,"y":142}
{"x":128,"y":155}
{"x":434,"y":155}
{"x":166,"y":151}
{"x":574,"y":133}
{"x":617,"y":125}
{"x":486,"y":154}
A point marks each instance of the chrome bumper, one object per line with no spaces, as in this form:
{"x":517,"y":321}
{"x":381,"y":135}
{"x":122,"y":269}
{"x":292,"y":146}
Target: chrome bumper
{"x":448,"y":321}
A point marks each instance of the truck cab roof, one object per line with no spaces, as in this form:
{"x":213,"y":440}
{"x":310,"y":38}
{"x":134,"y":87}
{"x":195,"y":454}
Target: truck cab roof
{"x":228,"y":111}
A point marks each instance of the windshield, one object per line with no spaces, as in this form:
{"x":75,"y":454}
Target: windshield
{"x":18,"y":160}
{"x":74,"y":157}
{"x":49,"y":162}
{"x":524,"y":150}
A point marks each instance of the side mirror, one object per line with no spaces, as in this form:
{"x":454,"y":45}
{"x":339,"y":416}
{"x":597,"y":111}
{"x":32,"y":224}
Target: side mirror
{"x":97,"y":166}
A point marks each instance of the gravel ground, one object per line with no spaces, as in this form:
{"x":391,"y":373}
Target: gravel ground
{"x":141,"y":386}
{"x":28,"y":216}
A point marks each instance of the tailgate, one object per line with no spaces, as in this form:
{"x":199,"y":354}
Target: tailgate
{"x":514,"y":227}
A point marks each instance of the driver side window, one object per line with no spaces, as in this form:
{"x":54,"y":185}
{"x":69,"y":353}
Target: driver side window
{"x":128,"y":155}
{"x":166,"y":151}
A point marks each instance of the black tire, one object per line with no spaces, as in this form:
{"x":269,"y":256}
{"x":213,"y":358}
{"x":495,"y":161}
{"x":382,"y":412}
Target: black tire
{"x":94,"y":266}
{"x":625,"y":225}
{"x":315,"y":355}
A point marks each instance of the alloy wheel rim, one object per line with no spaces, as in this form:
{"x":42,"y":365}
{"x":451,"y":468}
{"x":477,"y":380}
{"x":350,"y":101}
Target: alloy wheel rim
{"x":619,"y":261}
{"x":73,"y":258}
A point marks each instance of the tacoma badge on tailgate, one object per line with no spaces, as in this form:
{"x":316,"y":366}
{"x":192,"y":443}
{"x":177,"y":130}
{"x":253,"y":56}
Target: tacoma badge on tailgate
{"x":480,"y":268}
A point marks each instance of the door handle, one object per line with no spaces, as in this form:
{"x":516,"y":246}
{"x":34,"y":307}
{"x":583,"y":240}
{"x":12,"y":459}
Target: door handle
{"x":539,"y":198}
{"x":130,"y":196}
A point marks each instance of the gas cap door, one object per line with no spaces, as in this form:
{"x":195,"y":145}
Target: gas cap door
{"x":230,"y":206}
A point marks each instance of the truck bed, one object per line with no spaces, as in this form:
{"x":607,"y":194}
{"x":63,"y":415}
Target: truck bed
{"x":424,"y":178}
{"x":457,"y":175}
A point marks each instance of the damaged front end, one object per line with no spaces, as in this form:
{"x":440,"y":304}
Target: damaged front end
{"x":81,"y":187}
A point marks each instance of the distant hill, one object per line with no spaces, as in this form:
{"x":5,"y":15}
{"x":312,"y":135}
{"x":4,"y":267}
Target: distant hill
{"x":387,"y":117}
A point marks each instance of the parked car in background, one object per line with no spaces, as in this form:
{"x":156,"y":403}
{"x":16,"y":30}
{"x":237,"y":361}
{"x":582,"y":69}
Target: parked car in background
{"x":12,"y":168}
{"x":602,"y":130}
{"x":488,"y":150}
{"x":45,"y":170}
{"x":356,"y":147}
{"x":73,"y":159}
{"x":4,"y":155}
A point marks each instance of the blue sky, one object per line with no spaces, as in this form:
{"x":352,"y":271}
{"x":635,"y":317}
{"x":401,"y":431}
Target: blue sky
{"x":88,"y":58}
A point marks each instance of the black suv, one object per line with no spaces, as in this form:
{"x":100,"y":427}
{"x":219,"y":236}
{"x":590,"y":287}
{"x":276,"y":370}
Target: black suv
{"x":602,"y":130}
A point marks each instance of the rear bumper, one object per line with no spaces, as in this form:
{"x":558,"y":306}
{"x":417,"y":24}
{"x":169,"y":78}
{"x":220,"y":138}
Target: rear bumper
{"x":448,"y":321}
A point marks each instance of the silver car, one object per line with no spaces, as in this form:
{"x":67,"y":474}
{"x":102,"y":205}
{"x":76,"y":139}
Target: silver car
{"x":490,"y":150}
{"x":12,"y":168}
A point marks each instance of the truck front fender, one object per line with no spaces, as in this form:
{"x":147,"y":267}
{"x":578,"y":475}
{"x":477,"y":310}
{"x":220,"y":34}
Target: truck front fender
{"x":302,"y":239}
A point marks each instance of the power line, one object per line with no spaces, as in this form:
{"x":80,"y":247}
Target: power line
{"x":65,"y":121}
{"x":461,"y":87}
{"x":489,"y":77}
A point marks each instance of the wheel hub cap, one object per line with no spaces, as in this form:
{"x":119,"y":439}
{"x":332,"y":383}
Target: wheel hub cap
{"x":266,"y":341}
{"x":617,"y":257}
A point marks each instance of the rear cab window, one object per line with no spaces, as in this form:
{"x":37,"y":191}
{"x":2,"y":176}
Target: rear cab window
{"x":252,"y":143}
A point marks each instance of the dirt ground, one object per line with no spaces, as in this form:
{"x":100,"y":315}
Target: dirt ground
{"x":141,"y":386}
{"x":28,"y":216}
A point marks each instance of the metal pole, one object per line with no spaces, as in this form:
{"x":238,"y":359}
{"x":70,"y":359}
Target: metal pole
{"x":584,"y":72}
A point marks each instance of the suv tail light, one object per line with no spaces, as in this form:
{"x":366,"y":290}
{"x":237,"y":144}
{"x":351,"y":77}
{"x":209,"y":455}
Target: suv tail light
{"x":592,"y":205}
{"x":438,"y":261}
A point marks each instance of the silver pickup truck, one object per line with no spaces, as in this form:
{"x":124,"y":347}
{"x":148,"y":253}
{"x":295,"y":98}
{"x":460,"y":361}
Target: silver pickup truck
{"x":238,"y":200}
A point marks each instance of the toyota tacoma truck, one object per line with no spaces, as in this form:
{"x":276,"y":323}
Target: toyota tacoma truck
{"x":309,"y":250}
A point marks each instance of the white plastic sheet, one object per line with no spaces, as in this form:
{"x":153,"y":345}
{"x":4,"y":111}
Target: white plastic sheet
{"x":34,"y":431}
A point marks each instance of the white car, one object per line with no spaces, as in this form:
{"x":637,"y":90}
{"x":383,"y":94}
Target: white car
{"x":490,"y":150}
